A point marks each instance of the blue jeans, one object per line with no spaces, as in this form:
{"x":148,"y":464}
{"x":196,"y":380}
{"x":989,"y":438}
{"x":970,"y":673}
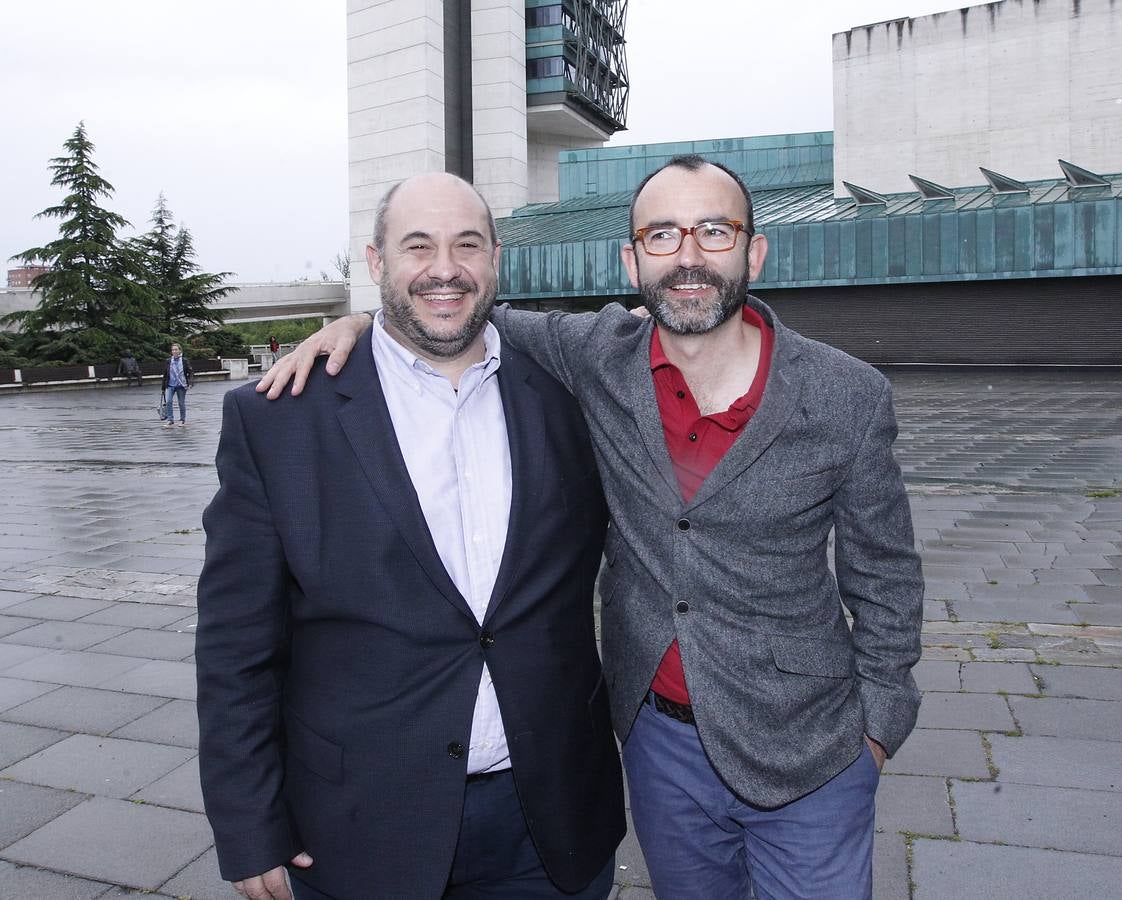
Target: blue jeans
{"x":702,"y":841}
{"x":181,"y":393}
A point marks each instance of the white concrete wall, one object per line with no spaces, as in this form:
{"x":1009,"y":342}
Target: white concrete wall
{"x":498,"y":74}
{"x":1012,"y":86}
{"x":542,"y":150}
{"x":395,"y":84}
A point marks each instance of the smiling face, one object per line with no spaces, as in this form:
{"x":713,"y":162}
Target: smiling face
{"x":176,"y":350}
{"x":693,"y":291}
{"x":437,"y":266}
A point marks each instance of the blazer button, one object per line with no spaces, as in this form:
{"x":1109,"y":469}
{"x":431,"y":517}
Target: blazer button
{"x":456,"y":750}
{"x":486,"y":639}
{"x":683,"y":524}
{"x":682,"y":606}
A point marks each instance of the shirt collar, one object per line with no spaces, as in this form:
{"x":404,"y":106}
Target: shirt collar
{"x":406,"y":362}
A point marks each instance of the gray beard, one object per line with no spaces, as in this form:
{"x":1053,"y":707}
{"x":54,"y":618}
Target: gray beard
{"x":690,"y":316}
{"x":400,"y":314}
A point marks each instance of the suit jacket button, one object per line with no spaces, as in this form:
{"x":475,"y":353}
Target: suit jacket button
{"x":456,"y":750}
{"x":682,"y":606}
{"x":486,"y":639}
{"x":683,"y":524}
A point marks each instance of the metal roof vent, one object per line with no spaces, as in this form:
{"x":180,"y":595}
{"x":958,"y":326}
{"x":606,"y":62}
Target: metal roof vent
{"x":1003,"y":184}
{"x":864,"y":196}
{"x":929,"y":190}
{"x":1080,"y":178}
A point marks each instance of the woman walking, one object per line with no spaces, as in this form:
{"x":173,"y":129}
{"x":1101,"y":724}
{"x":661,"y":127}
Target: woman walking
{"x":177,"y":378}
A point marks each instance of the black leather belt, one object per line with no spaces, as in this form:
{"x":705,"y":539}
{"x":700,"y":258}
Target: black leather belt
{"x":681,"y":712}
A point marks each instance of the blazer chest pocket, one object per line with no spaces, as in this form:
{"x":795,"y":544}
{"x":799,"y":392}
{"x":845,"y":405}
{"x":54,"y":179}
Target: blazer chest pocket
{"x":811,"y":656}
{"x":317,"y":753}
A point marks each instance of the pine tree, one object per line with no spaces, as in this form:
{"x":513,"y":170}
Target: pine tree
{"x":93,"y":304}
{"x":186,"y":294}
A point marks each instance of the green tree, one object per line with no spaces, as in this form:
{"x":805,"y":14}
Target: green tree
{"x":94,"y":302}
{"x":185,"y":293}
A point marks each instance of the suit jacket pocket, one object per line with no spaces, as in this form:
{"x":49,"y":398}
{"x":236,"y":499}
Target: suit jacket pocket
{"x":811,"y":656}
{"x":316,"y":752}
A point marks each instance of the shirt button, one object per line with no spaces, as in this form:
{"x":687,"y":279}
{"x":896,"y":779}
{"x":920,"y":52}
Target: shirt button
{"x":693,"y":435}
{"x":681,"y":395}
{"x":456,"y":750}
{"x":683,"y":524}
{"x":682,"y":606}
{"x":486,"y":639}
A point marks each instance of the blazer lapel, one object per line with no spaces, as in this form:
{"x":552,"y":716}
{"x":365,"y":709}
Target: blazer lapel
{"x":525,"y":428}
{"x":780,"y":400}
{"x":365,"y":420}
{"x":635,"y":378}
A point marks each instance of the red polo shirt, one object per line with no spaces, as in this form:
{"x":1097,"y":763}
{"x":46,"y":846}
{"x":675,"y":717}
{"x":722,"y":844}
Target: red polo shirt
{"x":696,"y":444}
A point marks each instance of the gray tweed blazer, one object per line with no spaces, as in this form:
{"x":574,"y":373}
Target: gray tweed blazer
{"x":782,"y":688}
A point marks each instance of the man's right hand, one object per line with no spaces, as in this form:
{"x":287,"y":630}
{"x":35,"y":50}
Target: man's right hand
{"x":272,"y":885}
{"x":336,"y":339}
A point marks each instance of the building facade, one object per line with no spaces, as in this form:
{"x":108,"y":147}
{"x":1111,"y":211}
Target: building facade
{"x":490,"y":90}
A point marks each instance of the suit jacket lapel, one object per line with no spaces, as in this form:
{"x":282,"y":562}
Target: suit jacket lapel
{"x":780,"y":400}
{"x":366,"y":422}
{"x":636,"y":379}
{"x":525,"y":428}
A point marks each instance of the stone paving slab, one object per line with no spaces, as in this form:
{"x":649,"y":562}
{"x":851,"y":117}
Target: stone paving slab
{"x":976,"y":712}
{"x":159,"y":677}
{"x":20,"y":741}
{"x":1058,"y":762}
{"x":137,"y":615}
{"x":14,"y":691}
{"x":200,"y":881}
{"x":66,"y":635}
{"x":82,"y":709}
{"x":1068,"y":717}
{"x":1031,"y":816}
{"x":890,"y":867}
{"x":151,"y":644}
{"x":31,"y":883}
{"x":937,"y":752}
{"x":916,"y":804}
{"x":174,"y":723}
{"x":991,"y":678}
{"x":949,"y":869}
{"x":108,"y":767}
{"x":1078,"y":681}
{"x":179,"y":789}
{"x":28,"y":806}
{"x":88,"y":839}
{"x":82,"y":669}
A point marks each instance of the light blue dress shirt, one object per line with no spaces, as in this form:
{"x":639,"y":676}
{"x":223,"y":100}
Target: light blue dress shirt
{"x":458,"y":456}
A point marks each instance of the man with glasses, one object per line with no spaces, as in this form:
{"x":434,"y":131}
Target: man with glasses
{"x":754,"y":719}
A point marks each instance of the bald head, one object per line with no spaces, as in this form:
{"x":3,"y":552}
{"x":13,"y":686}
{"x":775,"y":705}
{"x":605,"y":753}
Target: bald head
{"x":425,"y":189}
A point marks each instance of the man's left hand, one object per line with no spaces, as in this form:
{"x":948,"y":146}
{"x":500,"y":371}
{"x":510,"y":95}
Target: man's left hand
{"x":879,"y":754}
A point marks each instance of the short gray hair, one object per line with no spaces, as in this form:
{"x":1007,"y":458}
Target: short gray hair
{"x":383,"y":209}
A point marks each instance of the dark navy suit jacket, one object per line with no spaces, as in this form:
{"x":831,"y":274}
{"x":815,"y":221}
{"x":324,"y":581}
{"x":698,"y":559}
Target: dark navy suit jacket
{"x":338,"y":664}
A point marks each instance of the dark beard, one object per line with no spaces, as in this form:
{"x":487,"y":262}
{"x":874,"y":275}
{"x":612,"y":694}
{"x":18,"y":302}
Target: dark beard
{"x":400,"y":314}
{"x":694,"y":317}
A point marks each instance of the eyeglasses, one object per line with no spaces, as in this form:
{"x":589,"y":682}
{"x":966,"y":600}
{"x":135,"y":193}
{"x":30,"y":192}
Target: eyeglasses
{"x":712,"y":237}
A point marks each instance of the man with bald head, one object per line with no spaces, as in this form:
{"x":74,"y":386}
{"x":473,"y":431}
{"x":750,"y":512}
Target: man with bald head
{"x":754,"y":718}
{"x":399,"y":689}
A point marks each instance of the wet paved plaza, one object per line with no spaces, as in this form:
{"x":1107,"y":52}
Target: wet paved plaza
{"x":1009,"y":787}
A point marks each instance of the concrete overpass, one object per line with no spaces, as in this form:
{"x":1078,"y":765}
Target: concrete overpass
{"x":254,"y":302}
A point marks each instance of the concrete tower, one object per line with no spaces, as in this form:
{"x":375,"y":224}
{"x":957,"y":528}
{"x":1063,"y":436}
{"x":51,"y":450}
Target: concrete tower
{"x":490,"y":90}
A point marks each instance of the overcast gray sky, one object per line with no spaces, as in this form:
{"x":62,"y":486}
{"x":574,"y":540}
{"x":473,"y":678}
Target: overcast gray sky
{"x":237,"y":109}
